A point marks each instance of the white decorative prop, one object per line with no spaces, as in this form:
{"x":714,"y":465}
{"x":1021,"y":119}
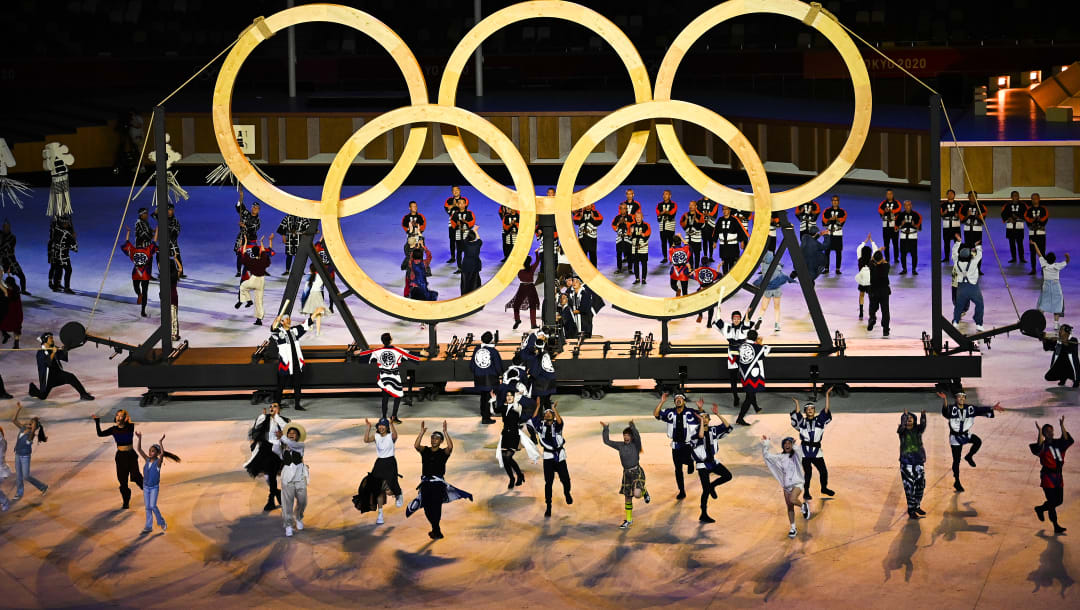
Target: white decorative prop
{"x":57,"y":159}
{"x":176,"y":192}
{"x":10,"y":188}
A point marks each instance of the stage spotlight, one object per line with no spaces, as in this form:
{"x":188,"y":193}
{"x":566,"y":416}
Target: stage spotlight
{"x":1003,"y":81}
{"x":1034,"y":76}
{"x":1064,"y":68}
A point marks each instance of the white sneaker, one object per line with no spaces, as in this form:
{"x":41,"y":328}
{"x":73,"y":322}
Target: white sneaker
{"x":805,"y":510}
{"x":776,"y":327}
{"x":792,"y":532}
{"x":288,"y":531}
{"x":978,"y":328}
{"x":400,"y":501}
{"x":625,"y":525}
{"x":300,"y":524}
{"x":379,"y":519}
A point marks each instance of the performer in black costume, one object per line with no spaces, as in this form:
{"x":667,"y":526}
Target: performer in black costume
{"x":833,"y":219}
{"x":665,"y":222}
{"x":290,"y":229}
{"x":1051,"y":454}
{"x":487,"y":369}
{"x":145,"y":235}
{"x":811,"y":427}
{"x":548,"y":428}
{"x":682,"y":427}
{"x":127,"y":461}
{"x":264,"y":460}
{"x":451,"y":206}
{"x":705,"y":448}
{"x":62,"y":242}
{"x":950,"y":223}
{"x":8,"y":263}
{"x":1012,"y":214}
{"x":250,"y":223}
{"x":434,"y":491}
{"x":290,"y":357}
{"x":961,"y":418}
{"x":51,"y":373}
{"x":588,"y":220}
{"x":1064,"y":363}
{"x":730,"y":234}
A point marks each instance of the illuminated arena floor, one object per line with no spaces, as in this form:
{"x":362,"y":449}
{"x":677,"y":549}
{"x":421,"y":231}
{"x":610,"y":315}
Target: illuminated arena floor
{"x":73,"y":547}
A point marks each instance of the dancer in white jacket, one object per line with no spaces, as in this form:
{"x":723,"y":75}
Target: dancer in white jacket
{"x":787,"y":469}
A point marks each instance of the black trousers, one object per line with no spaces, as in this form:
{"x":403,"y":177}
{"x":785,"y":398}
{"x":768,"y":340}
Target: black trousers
{"x":288,"y":381}
{"x":695,"y":254}
{"x":450,"y":231}
{"x":57,"y":380}
{"x":666,"y":237}
{"x":750,"y":401}
{"x":433,"y":493}
{"x":891,"y":243}
{"x":836,"y":244}
{"x":1016,"y":244}
{"x":510,"y":465}
{"x":823,"y":472}
{"x":976,"y":443}
{"x":708,"y":242}
{"x":551,"y":468}
{"x":127,"y":468}
{"x":1034,"y":240}
{"x":684,"y":284}
{"x":880,"y":301}
{"x":17,"y":272}
{"x":909,"y":247}
{"x":1054,"y":498}
{"x":623,"y":255}
{"x":507,"y":247}
{"x":735,"y":380}
{"x":485,"y":405}
{"x":641,"y":266}
{"x":682,"y":456}
{"x":460,"y":247}
{"x":60,"y":272}
{"x":288,"y":262}
{"x":586,"y":324}
{"x":770,"y":243}
{"x":385,"y":403}
{"x":729,"y":255}
{"x":142,"y":292}
{"x":948,"y":236}
{"x":588,"y":244}
{"x":708,"y":486}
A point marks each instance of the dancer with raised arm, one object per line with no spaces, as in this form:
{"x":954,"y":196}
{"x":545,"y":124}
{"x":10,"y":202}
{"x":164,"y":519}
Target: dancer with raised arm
{"x":289,"y":447}
{"x":1051,"y":454}
{"x":912,"y":461}
{"x":24,"y":446}
{"x":548,"y":428}
{"x":152,"y":480}
{"x":811,"y":427}
{"x":682,"y":429}
{"x":433,"y":490}
{"x":5,"y":471}
{"x":290,"y":368}
{"x":705,"y":448}
{"x":127,"y":461}
{"x":961,"y":418}
{"x":388,"y":358}
{"x":263,"y":460}
{"x":633,"y":476}
{"x":787,"y":470}
{"x":382,"y":481}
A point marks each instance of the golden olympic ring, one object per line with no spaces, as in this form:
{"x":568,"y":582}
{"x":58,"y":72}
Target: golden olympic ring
{"x":639,"y":304}
{"x":263,"y":29}
{"x":812,"y":16}
{"x":332,"y":208}
{"x":373,"y":293}
{"x":547,"y":9}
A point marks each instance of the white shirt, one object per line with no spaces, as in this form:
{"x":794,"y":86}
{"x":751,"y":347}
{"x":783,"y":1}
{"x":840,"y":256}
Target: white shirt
{"x":292,"y":473}
{"x":966,"y":270}
{"x":1051,"y":271}
{"x":786,"y":468}
{"x":384,"y":445}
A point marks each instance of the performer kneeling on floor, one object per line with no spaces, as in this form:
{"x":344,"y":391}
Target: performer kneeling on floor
{"x":290,"y":357}
{"x":388,"y":358}
{"x":1051,"y":454}
{"x":633,"y":476}
{"x":705,"y":448}
{"x":127,"y":461}
{"x":961,"y":418}
{"x":682,"y":428}
{"x":548,"y":429}
{"x":433,"y":490}
{"x":264,"y":460}
{"x":787,"y":470}
{"x":811,"y":427}
{"x":51,"y":373}
{"x":912,"y":462}
{"x":289,"y":446}
{"x":382,"y":481}
{"x":1064,"y":363}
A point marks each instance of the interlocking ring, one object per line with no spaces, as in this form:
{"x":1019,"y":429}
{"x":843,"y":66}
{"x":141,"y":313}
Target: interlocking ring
{"x":547,"y":9}
{"x":655,"y":307}
{"x":811,"y":15}
{"x":331,"y":208}
{"x":372,"y":292}
{"x":263,"y":29}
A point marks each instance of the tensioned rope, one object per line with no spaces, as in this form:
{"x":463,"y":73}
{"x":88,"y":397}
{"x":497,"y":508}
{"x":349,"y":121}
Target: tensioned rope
{"x":959,"y":151}
{"x":135,"y":177}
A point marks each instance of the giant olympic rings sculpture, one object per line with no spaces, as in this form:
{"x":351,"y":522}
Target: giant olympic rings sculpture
{"x":649,"y":104}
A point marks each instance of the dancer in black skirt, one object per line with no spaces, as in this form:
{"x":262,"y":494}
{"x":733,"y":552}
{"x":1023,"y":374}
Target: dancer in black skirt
{"x":127,"y":461}
{"x":263,"y":461}
{"x":382,"y":481}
